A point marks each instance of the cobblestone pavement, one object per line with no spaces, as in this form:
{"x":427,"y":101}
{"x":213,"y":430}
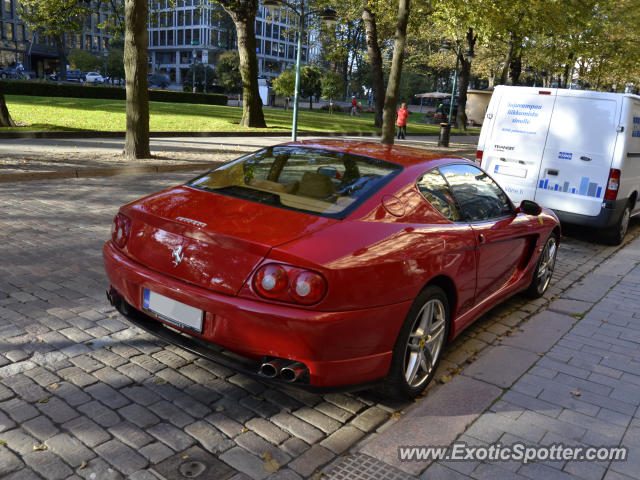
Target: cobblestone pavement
{"x":84,"y":395}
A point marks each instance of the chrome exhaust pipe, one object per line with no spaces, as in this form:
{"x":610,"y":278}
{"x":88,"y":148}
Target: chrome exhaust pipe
{"x":293,"y":372}
{"x":271,"y":368}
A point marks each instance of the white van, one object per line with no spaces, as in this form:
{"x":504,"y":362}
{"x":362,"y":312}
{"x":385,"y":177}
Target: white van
{"x":574,"y":151}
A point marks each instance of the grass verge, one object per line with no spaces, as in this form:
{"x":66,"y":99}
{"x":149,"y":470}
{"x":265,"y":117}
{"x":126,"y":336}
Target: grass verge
{"x":77,"y":114}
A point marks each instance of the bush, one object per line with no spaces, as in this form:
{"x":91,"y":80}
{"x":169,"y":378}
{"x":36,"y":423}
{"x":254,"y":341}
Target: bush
{"x":44,"y":89}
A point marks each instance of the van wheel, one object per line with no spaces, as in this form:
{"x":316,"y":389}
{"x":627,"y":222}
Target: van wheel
{"x":419,"y":345}
{"x":544,"y":268}
{"x":616,"y":234}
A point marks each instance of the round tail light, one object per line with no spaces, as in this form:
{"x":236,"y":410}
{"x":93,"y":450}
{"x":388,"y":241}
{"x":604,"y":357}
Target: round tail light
{"x":308,"y":287}
{"x":271,"y":281}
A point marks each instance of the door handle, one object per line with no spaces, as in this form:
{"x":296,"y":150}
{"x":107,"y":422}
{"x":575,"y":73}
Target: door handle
{"x":481,"y":238}
{"x":552,"y":172}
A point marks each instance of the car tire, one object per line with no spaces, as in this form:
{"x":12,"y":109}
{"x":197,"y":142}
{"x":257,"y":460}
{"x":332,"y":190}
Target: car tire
{"x":419,"y":345}
{"x":4,"y":76}
{"x":544,"y":268}
{"x":615,"y":235}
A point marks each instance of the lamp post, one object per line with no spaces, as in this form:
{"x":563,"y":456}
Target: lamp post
{"x":327,"y":15}
{"x":106,"y":54}
{"x":455,"y":79}
{"x":193,"y":70}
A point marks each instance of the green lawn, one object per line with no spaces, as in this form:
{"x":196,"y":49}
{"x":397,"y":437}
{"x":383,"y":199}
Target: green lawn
{"x":58,"y":114}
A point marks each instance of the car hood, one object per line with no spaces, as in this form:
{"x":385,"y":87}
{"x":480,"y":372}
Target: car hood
{"x":208,"y":239}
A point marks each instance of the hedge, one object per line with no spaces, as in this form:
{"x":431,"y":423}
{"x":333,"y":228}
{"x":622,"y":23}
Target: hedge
{"x":45,"y":89}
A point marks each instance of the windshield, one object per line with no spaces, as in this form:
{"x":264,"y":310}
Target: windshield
{"x":321,"y":182}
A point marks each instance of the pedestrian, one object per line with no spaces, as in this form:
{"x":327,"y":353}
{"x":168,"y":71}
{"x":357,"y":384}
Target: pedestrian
{"x":354,"y":106}
{"x":401,"y":121}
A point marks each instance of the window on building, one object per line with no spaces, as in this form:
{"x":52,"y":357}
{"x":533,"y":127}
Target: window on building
{"x":154,"y":39}
{"x":187,"y":17}
{"x":19,"y":33}
{"x":87,"y":42}
{"x":96,"y":21}
{"x":290,"y":52}
{"x":267,"y":47}
{"x":180,"y":37}
{"x":8,"y":31}
{"x":7,"y":8}
{"x":180,"y":18}
{"x":196,"y":35}
{"x":258,"y":27}
{"x":276,"y":31}
{"x":163,"y":38}
{"x":187,"y":36}
{"x":170,"y":38}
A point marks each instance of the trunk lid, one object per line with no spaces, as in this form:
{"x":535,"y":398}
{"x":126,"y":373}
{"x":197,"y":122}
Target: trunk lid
{"x":208,"y":239}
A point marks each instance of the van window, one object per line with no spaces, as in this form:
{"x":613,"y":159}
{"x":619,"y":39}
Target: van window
{"x":479,"y":197}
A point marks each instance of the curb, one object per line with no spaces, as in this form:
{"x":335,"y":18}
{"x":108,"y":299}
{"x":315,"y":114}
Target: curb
{"x":102,"y":172}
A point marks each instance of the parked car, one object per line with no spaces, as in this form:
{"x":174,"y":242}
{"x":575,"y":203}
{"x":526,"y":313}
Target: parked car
{"x":327,"y":264}
{"x":71,"y":76}
{"x":17,"y":72}
{"x":94,"y":77}
{"x":158,"y":80}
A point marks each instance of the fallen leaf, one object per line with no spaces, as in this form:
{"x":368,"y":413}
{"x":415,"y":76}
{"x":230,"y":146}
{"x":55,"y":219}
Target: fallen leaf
{"x":44,"y":400}
{"x":53,"y":386}
{"x":83,"y":465}
{"x":40,"y":447}
{"x":220,"y":408}
{"x":3,"y":443}
{"x":160,"y":381}
{"x":604,"y":320}
{"x":272,"y":466}
{"x":244,"y":430}
{"x":396,"y":415}
{"x":107,"y":347}
{"x":266,"y":456}
{"x":540,"y":354}
{"x":499,"y":339}
{"x":185,"y":457}
{"x":576,"y":393}
{"x":444,"y":378}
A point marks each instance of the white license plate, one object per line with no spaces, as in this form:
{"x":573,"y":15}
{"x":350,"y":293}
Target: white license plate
{"x":172,"y":311}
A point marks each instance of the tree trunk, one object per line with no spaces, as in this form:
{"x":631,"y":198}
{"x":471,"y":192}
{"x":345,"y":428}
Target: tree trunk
{"x":507,"y":61}
{"x":375,"y":61}
{"x":5,"y":117}
{"x":465,"y":76}
{"x":62,"y":57}
{"x":391,"y":97}
{"x":243,"y":14}
{"x":516,"y":68}
{"x":135,"y":66}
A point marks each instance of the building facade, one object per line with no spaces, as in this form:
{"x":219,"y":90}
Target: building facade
{"x":200,"y":30}
{"x":38,"y":53}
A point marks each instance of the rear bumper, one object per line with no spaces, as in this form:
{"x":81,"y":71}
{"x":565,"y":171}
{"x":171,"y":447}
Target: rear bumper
{"x":342,"y":350}
{"x":609,"y":215}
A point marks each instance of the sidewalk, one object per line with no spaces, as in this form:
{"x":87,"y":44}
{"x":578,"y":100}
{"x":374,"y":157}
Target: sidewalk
{"x":570,"y":375}
{"x":47,"y":158}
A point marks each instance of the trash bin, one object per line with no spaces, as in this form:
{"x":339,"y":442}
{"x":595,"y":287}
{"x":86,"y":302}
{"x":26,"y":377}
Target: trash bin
{"x":445,"y":130}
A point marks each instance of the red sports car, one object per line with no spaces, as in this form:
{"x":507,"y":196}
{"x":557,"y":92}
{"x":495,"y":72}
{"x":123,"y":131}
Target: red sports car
{"x":327,"y":264}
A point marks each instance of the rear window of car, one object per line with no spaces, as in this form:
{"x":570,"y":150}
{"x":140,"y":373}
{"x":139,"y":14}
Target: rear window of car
{"x":310,"y":180}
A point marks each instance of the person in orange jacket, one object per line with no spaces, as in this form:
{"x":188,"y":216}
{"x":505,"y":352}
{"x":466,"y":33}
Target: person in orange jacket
{"x":401,"y":120}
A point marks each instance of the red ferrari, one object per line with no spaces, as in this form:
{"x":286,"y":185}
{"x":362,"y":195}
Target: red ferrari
{"x":327,"y":264}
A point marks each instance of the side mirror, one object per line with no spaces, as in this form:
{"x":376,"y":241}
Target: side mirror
{"x":529,"y":207}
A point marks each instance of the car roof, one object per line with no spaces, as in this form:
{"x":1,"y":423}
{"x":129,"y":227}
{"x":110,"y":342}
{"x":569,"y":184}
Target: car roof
{"x":405,"y":156}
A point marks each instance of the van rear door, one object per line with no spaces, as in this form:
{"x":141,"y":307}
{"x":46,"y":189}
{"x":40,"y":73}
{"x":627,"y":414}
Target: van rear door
{"x":515,"y":144}
{"x":578,"y":153}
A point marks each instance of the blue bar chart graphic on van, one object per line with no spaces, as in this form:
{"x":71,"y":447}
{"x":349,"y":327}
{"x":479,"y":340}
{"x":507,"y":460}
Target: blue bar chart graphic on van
{"x":586,"y":187}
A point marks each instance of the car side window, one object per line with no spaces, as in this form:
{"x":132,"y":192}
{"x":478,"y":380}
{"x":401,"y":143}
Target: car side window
{"x":479,"y":197}
{"x":435,"y":189}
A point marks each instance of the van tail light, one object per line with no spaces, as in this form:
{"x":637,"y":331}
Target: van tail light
{"x":544,"y":92}
{"x":613,"y":184}
{"x":479,"y":154}
{"x":289,"y":284}
{"x":120,"y":230}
